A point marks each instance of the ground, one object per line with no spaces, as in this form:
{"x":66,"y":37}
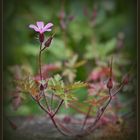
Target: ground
{"x":40,"y":128}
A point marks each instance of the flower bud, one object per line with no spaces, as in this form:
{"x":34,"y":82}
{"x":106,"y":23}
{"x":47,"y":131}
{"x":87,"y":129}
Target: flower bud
{"x":41,"y":87}
{"x":110,"y":83}
{"x":41,"y":37}
{"x":48,"y":42}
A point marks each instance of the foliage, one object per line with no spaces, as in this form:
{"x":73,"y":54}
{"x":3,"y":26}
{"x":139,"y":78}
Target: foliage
{"x":75,"y":66}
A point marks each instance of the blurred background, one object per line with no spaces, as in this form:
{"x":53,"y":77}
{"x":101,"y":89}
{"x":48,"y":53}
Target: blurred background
{"x":89,"y":32}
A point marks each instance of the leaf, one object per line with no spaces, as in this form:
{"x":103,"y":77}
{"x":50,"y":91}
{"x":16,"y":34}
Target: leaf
{"x":28,"y":85}
{"x":57,"y":48}
{"x":80,"y":63}
{"x":29,"y":49}
{"x":76,"y":85}
{"x":82,"y":107}
{"x":56,"y":84}
{"x":72,"y":61}
{"x":16,"y":100}
{"x":100,"y":50}
{"x":98,"y":102}
{"x":57,"y":77}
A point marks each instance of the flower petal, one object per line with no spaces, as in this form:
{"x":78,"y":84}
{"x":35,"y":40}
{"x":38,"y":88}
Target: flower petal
{"x":40,"y":24}
{"x":34,"y":27}
{"x":48,"y":30}
{"x":49,"y":25}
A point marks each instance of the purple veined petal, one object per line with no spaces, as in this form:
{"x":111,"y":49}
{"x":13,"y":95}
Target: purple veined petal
{"x":34,"y":27}
{"x":49,"y":25}
{"x":40,"y":24}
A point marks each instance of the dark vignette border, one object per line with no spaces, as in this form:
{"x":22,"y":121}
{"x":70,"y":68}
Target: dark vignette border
{"x":1,"y":64}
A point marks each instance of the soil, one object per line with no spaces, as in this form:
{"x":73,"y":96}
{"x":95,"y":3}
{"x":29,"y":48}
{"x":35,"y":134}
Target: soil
{"x":41,"y":128}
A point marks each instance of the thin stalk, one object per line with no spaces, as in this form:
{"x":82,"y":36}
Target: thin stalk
{"x":87,"y":115}
{"x":115,"y":92}
{"x":77,"y":109}
{"x":93,"y":126}
{"x":50,"y":115}
{"x":12,"y":124}
{"x":48,"y":107}
{"x":65,"y":128}
{"x":52,"y":101}
{"x":104,"y":108}
{"x":41,"y":77}
{"x":56,"y":126}
{"x":58,"y":107}
{"x":40,"y":73}
{"x":41,"y":106}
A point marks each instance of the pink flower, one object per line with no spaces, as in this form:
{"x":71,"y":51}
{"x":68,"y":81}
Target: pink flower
{"x":40,"y":27}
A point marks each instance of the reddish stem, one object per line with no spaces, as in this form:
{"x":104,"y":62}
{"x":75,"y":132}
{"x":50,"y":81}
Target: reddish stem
{"x":42,"y":107}
{"x":61,"y":102}
{"x":99,"y":115}
{"x":85,"y":120}
{"x":50,"y":115}
{"x":41,"y":77}
{"x":52,"y":101}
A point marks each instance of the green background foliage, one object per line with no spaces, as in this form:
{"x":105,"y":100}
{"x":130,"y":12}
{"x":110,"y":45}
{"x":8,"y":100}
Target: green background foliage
{"x":93,"y":43}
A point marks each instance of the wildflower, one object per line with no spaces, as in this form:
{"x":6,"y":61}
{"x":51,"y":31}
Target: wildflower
{"x":41,"y":29}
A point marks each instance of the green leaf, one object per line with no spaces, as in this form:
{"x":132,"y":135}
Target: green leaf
{"x":30,"y":49}
{"x":27,"y":85}
{"x":100,"y":50}
{"x":63,"y":91}
{"x":76,"y":85}
{"x":57,"y":48}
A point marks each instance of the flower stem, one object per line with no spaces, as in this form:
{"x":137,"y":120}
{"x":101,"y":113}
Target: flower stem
{"x":61,"y":102}
{"x":40,"y":65}
{"x":41,"y":77}
{"x":99,"y":115}
{"x":87,"y":115}
{"x":50,"y":115}
{"x":52,"y":101}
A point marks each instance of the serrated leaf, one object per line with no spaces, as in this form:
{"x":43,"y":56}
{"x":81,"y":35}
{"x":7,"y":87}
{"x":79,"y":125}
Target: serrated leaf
{"x":82,"y":107}
{"x":56,"y":49}
{"x":100,"y":50}
{"x":57,"y":77}
{"x":76,"y":85}
{"x":63,"y":91}
{"x":28,"y":85}
{"x":80,"y":63}
{"x":95,"y":102}
{"x":73,"y":60}
{"x":67,"y":97}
